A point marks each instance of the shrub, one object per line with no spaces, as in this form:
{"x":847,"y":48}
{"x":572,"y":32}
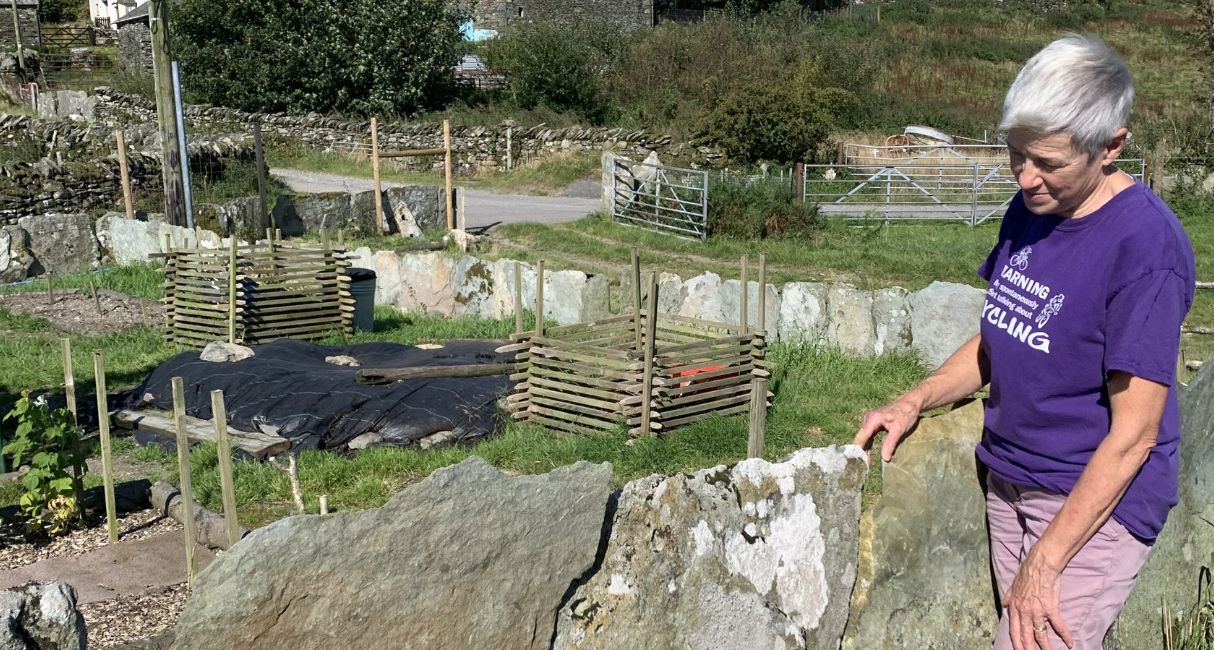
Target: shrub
{"x":778,"y":122}
{"x":557,"y":65}
{"x":61,"y":11}
{"x":758,"y":208}
{"x":360,"y":56}
{"x":49,"y":442}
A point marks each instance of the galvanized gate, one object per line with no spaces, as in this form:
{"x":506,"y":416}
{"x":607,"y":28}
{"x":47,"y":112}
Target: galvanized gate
{"x":666,"y":199}
{"x":957,"y":182}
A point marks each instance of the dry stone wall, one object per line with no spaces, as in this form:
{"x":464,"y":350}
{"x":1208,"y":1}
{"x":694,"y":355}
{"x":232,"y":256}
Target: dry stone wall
{"x":27,"y":18}
{"x":475,"y":147}
{"x":502,"y":14}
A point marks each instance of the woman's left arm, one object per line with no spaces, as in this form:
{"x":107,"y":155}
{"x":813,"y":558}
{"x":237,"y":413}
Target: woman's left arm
{"x":1137,"y":408}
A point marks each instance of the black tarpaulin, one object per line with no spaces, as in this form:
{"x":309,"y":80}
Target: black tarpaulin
{"x":289,"y":388}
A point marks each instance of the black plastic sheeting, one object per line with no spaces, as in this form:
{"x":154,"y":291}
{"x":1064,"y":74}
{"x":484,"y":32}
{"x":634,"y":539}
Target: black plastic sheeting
{"x":289,"y":387}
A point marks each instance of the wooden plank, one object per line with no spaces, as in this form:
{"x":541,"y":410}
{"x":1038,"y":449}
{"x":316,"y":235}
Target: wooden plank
{"x":571,"y":355}
{"x":677,"y":422}
{"x":613,"y":417}
{"x":716,"y":405}
{"x":719,"y":341}
{"x":573,"y":418}
{"x":675,"y":318}
{"x":561,"y":344}
{"x":256,"y":443}
{"x":553,"y":423}
{"x":698,"y":386}
{"x":391,"y":375}
{"x":671,"y":369}
{"x":541,"y":390}
{"x":706,"y":352}
{"x":594,"y":372}
{"x":605,"y":399}
{"x":686,"y":400}
{"x":561,"y":330}
{"x":542,"y":369}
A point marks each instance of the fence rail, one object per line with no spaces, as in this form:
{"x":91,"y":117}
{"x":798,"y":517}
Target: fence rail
{"x":921,"y":188}
{"x":657,"y":197}
{"x":67,"y":36}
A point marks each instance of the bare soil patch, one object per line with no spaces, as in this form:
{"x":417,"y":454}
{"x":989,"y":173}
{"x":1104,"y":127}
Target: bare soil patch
{"x":73,"y":310}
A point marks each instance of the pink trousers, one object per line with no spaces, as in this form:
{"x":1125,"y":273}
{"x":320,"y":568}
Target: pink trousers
{"x":1096,"y":582}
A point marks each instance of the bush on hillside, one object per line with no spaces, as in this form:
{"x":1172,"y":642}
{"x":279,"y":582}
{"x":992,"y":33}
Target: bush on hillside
{"x":762,"y":208}
{"x":357,"y":56}
{"x":556,"y":65}
{"x":61,"y":11}
{"x":778,"y":122}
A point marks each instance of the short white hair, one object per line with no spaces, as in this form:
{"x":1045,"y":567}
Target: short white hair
{"x":1075,"y":85}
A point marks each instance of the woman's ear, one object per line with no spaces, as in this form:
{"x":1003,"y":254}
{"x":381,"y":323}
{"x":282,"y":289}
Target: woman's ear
{"x":1115,"y":145}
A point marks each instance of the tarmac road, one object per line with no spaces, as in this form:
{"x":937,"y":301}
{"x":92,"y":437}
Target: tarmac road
{"x":484,"y":209}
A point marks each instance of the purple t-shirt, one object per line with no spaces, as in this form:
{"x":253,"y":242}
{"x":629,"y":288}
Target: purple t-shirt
{"x":1070,"y":301}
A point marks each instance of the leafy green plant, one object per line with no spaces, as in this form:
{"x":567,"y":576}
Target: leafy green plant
{"x":761,"y":208}
{"x":49,"y":442}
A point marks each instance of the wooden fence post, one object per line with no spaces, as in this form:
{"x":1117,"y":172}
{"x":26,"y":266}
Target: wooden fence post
{"x":761,"y":317}
{"x":107,"y":463}
{"x":69,"y":379}
{"x":539,"y":298}
{"x":219,"y":414}
{"x":636,"y":298}
{"x":651,"y":334}
{"x":509,"y":148}
{"x":518,"y":298}
{"x":259,"y":156}
{"x":758,"y":417}
{"x":232,"y":288}
{"x":447,"y":173}
{"x":798,"y":182}
{"x":124,"y":175}
{"x":743,"y":297}
{"x":379,"y":205}
{"x":183,"y":466}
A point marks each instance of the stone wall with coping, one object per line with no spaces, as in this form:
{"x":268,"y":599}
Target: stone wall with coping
{"x":934,"y":321}
{"x":500,"y":15}
{"x":475,"y":147}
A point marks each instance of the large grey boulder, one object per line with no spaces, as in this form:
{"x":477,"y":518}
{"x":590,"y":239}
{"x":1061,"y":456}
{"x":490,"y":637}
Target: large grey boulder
{"x":428,"y":204}
{"x":63,"y":243}
{"x":295,"y":214}
{"x":129,"y":241}
{"x":501,"y":302}
{"x":759,"y":555}
{"x":426,"y":283}
{"x":41,"y":617}
{"x":700,"y":298}
{"x":891,"y":320}
{"x":1187,"y":541}
{"x":470,"y":557}
{"x":925,"y":578}
{"x":731,"y":294}
{"x":387,"y":267}
{"x":16,"y":259}
{"x":803,"y":314}
{"x":850,"y":320}
{"x":943,"y":316}
{"x":575,"y":297}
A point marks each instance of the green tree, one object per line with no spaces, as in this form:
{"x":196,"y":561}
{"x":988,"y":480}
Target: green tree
{"x":60,"y":11}
{"x":558,"y":65}
{"x":357,"y":56}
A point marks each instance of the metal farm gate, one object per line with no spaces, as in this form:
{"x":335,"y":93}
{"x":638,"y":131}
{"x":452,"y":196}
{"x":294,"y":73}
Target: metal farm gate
{"x":970,"y":183}
{"x":657,"y":197}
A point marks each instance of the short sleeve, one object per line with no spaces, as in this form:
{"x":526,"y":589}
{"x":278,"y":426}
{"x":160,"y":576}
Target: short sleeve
{"x":1142,"y":326}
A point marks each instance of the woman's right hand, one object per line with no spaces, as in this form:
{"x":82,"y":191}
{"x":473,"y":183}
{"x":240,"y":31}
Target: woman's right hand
{"x":895,"y":418}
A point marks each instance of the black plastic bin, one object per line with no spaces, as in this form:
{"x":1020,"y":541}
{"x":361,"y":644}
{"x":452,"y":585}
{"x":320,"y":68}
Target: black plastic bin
{"x":362,"y":289}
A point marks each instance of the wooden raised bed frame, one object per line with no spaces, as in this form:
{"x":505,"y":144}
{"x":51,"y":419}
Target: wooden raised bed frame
{"x":256,"y":294}
{"x":650,"y":374}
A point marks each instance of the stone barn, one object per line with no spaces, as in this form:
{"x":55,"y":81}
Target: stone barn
{"x":27,"y":17}
{"x":135,"y":40}
{"x":500,"y":15}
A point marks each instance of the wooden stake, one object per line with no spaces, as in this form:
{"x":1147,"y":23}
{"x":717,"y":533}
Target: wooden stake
{"x":324,"y":504}
{"x":761,"y":317}
{"x":518,"y":297}
{"x":125,"y":175}
{"x":183,"y":466}
{"x":447,"y":173}
{"x":539,"y":298}
{"x":636,"y":296}
{"x":107,"y":463}
{"x":50,"y":286}
{"x":379,"y":205}
{"x":232,"y":289}
{"x":270,"y":239}
{"x":651,"y":335}
{"x":219,"y":414}
{"x":744,"y":297}
{"x":96,"y":300}
{"x":758,"y":417}
{"x":259,"y":157}
{"x":69,"y":379}
{"x":509,"y":148}
{"x":143,"y":312}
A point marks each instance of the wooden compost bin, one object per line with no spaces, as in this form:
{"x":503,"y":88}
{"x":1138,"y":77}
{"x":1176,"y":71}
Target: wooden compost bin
{"x":256,"y":294}
{"x":649,"y":374}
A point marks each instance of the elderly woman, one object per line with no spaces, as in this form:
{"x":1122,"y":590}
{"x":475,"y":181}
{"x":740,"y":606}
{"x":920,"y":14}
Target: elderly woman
{"x":1088,"y":285}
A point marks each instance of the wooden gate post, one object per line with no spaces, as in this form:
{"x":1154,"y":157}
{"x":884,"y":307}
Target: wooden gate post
{"x":124,"y":174}
{"x":183,"y":467}
{"x":379,"y":205}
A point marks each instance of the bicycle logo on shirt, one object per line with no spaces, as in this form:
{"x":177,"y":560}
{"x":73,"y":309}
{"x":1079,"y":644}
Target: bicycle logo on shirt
{"x":1020,"y":260}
